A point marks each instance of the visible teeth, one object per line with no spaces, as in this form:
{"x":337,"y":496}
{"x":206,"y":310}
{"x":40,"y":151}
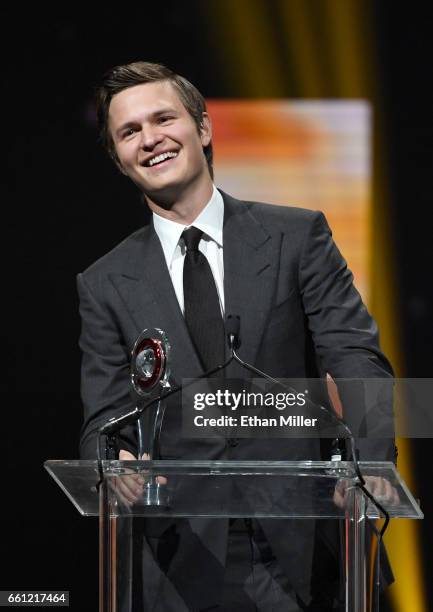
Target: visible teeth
{"x":160,"y":158}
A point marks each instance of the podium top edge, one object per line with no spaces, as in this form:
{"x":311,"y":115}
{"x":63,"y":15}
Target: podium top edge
{"x":221,"y":464}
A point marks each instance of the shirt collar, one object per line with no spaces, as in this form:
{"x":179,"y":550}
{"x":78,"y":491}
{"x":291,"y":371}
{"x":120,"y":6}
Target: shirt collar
{"x":210,"y":221}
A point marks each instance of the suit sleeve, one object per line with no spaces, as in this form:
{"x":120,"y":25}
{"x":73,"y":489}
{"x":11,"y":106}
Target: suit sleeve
{"x":104,"y":371}
{"x":346,"y":339}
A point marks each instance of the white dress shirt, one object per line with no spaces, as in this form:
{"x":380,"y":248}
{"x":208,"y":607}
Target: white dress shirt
{"x":210,"y":221}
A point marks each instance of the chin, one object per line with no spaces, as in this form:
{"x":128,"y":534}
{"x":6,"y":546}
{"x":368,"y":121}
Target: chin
{"x":164,"y":195}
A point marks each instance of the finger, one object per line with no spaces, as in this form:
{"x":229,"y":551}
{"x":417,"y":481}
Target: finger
{"x":122,"y":499}
{"x":340,"y":493}
{"x":162,"y":480}
{"x":119,"y":493}
{"x":382,"y":487}
{"x":132,"y":484}
{"x":375,"y":486}
{"x":125,"y":455}
{"x":338,"y":499}
{"x":392,"y":496}
{"x":388,"y":491}
{"x":343,"y":486}
{"x":133,"y":479}
{"x":129,"y":488}
{"x":395,"y":497}
{"x":385,"y":490}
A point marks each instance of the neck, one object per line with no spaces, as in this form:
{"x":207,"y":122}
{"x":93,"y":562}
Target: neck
{"x":185,"y":207}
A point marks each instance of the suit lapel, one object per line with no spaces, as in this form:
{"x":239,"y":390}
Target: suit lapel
{"x":251,"y":259}
{"x":148,"y":292}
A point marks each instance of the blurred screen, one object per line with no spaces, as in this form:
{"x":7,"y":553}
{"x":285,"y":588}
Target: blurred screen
{"x":311,"y":154}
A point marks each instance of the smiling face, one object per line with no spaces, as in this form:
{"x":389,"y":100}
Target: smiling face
{"x":157,"y":142}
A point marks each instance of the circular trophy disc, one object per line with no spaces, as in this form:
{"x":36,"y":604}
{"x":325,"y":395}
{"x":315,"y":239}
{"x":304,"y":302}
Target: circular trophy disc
{"x":149,"y":361}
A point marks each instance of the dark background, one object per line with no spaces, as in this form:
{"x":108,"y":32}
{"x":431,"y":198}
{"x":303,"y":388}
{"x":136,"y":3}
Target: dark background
{"x":65,"y":205}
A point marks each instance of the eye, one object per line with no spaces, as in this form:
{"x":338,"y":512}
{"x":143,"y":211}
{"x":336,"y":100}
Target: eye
{"x":128,"y":132}
{"x":164,"y":118}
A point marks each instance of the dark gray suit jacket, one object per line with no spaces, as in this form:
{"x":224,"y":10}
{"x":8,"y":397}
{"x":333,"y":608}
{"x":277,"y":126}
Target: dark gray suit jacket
{"x":300,"y":317}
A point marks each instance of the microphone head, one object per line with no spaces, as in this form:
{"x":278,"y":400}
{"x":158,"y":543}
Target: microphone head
{"x":233,"y":326}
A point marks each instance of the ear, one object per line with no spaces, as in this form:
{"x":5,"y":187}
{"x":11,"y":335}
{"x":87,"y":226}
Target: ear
{"x":205,"y":130}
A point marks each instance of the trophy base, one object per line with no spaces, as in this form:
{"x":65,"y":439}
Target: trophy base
{"x":155,"y":494}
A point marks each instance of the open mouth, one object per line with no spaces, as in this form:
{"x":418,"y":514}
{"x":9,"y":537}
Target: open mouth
{"x":160,"y":159}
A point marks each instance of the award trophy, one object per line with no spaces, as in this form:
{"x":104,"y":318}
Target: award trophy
{"x":150,"y":376}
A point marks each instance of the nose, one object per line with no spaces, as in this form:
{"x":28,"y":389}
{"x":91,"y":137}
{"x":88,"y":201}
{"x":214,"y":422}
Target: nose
{"x":150,"y":137}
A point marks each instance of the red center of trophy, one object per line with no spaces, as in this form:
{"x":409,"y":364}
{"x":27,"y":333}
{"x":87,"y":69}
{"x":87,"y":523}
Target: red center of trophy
{"x":149,"y":363}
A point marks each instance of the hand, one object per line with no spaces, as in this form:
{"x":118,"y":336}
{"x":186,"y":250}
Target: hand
{"x":381,"y":489}
{"x":129,"y":488}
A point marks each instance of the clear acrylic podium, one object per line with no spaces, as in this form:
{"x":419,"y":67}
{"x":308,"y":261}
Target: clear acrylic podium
{"x":221,"y":489}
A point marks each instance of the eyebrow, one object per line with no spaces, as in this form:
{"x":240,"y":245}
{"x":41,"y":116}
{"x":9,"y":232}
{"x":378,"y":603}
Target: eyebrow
{"x":153,"y":115}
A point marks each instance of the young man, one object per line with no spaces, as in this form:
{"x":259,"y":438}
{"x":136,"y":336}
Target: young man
{"x":275,"y":267}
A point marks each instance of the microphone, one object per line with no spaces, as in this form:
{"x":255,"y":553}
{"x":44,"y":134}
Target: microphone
{"x":233,"y":326}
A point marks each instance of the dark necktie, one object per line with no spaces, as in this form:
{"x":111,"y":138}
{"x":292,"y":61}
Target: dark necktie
{"x":202,"y":307}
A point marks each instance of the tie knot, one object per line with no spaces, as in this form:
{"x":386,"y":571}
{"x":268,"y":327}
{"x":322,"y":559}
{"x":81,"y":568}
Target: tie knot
{"x":192,"y":237}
